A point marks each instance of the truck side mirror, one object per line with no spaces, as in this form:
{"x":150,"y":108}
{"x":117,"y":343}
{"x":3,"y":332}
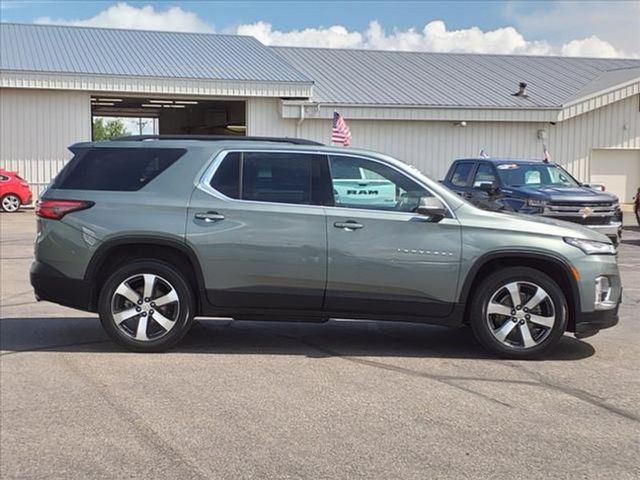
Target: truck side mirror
{"x":488,"y":187}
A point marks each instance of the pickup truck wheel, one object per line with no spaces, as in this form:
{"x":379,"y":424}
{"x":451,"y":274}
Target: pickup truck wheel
{"x":146,"y":306}
{"x":519,"y":312}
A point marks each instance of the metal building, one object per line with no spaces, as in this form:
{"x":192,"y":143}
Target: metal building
{"x":424,"y":108}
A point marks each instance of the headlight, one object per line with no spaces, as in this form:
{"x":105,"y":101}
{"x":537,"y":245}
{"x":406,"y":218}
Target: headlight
{"x":592,"y":247}
{"x":532,"y":202}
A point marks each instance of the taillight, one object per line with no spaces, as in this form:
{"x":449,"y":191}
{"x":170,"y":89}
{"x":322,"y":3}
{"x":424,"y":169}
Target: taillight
{"x":56,"y":209}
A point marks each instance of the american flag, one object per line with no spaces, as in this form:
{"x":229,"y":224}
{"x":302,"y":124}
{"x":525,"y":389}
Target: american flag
{"x":340,"y":132}
{"x":547,"y":155}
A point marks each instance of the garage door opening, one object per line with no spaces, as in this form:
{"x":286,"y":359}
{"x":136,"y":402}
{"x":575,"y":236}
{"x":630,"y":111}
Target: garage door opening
{"x":168,"y":116}
{"x":618,"y":170}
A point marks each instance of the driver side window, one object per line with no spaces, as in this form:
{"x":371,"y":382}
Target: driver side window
{"x":362,"y":183}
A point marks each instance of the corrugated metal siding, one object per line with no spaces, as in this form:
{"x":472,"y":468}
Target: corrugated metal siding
{"x":445,"y":79}
{"x":102,"y":51}
{"x":36,"y":127}
{"x":615,"y":126}
{"x":432,"y":145}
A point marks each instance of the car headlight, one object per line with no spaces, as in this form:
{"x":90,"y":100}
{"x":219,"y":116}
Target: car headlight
{"x":532,"y":202}
{"x":592,"y":247}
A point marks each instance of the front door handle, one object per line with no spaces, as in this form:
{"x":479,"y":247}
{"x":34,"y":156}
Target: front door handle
{"x":209,"y":216}
{"x":349,"y":225}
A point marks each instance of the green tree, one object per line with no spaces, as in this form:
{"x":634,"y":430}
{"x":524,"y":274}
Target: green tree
{"x":106,"y":130}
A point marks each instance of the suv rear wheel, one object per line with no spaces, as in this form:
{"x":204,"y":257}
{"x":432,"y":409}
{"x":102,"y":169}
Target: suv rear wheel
{"x":146,"y":306}
{"x":519,"y":313}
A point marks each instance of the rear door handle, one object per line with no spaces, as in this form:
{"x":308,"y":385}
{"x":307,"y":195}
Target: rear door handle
{"x":349,"y":225}
{"x":209,"y":216}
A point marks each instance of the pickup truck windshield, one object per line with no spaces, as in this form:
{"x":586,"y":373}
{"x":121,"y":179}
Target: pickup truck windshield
{"x":534,"y":175}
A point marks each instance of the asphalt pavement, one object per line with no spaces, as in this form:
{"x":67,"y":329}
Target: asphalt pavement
{"x":341,"y":400}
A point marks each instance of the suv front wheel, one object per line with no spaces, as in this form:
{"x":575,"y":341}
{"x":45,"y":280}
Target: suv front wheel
{"x":519,"y":312}
{"x":146,"y":306}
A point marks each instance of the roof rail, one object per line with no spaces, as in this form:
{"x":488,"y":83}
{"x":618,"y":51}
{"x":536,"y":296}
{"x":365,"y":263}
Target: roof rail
{"x":216,"y":138}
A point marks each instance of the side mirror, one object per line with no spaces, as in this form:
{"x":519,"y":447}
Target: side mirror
{"x":431,"y":207}
{"x":488,"y":187}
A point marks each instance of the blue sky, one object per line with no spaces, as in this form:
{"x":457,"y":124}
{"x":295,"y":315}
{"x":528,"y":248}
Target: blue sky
{"x":286,"y":14}
{"x":593,"y":28}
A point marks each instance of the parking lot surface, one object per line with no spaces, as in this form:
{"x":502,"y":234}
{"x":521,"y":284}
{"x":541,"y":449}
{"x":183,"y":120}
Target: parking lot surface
{"x":343,"y":399}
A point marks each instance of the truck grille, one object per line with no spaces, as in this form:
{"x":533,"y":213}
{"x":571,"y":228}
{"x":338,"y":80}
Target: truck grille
{"x":584,"y":213}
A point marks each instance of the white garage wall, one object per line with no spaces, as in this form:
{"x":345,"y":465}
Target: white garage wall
{"x":615,"y":126}
{"x":619,"y":170}
{"x":37,"y":126}
{"x":431,"y":146}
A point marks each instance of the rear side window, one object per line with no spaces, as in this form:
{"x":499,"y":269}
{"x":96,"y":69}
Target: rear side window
{"x":461,"y":174}
{"x":276,"y":177}
{"x":115,"y":169}
{"x":227,"y":177}
{"x":294,"y":178}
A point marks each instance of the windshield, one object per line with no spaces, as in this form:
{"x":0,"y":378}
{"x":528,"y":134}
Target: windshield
{"x":535,"y":175}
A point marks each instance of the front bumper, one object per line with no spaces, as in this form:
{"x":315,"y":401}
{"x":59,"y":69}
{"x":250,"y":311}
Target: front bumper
{"x":590,"y":323}
{"x":610,"y":230}
{"x":54,"y":286}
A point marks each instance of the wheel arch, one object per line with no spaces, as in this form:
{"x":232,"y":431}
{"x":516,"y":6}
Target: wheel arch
{"x":114,"y":253}
{"x":559,"y":269}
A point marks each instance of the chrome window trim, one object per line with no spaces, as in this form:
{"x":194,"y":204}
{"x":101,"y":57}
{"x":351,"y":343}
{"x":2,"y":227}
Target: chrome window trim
{"x":205,"y":180}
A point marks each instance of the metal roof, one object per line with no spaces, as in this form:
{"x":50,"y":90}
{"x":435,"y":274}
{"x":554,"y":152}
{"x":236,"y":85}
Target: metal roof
{"x":371,"y":77}
{"x":332,"y":76}
{"x":607,"y":80}
{"x":102,"y":51}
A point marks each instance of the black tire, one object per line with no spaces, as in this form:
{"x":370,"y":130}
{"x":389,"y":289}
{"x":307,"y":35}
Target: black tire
{"x":168,"y":278}
{"x":554,"y":306}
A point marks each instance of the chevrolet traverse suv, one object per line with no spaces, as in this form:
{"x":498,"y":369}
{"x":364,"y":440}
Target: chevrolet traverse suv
{"x":152,"y":231}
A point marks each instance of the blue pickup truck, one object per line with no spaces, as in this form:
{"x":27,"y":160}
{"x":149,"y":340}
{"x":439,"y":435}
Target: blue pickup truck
{"x":534,"y":187}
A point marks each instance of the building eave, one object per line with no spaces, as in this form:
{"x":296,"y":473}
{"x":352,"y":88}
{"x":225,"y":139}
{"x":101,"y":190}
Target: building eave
{"x":313,"y":110}
{"x":153,"y":85}
{"x":599,"y":99}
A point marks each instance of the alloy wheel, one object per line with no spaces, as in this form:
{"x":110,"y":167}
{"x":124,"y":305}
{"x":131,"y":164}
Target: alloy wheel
{"x":10,"y":203}
{"x":145,"y":307}
{"x":520,"y":315}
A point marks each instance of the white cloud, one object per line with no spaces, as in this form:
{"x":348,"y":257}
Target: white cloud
{"x":590,"y":47}
{"x":123,"y":15}
{"x":433,"y":37}
{"x":336,"y":36}
{"x":614,"y":23}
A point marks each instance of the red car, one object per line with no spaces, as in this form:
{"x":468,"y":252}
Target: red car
{"x":14,"y":191}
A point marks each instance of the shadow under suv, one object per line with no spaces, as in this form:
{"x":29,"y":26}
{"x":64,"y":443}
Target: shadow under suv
{"x":152,"y":231}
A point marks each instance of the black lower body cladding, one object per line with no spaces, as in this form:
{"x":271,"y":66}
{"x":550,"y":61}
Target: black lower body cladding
{"x":52,"y":285}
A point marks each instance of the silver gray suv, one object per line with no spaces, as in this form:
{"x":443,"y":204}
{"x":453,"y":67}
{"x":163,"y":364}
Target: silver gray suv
{"x":152,"y":231}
